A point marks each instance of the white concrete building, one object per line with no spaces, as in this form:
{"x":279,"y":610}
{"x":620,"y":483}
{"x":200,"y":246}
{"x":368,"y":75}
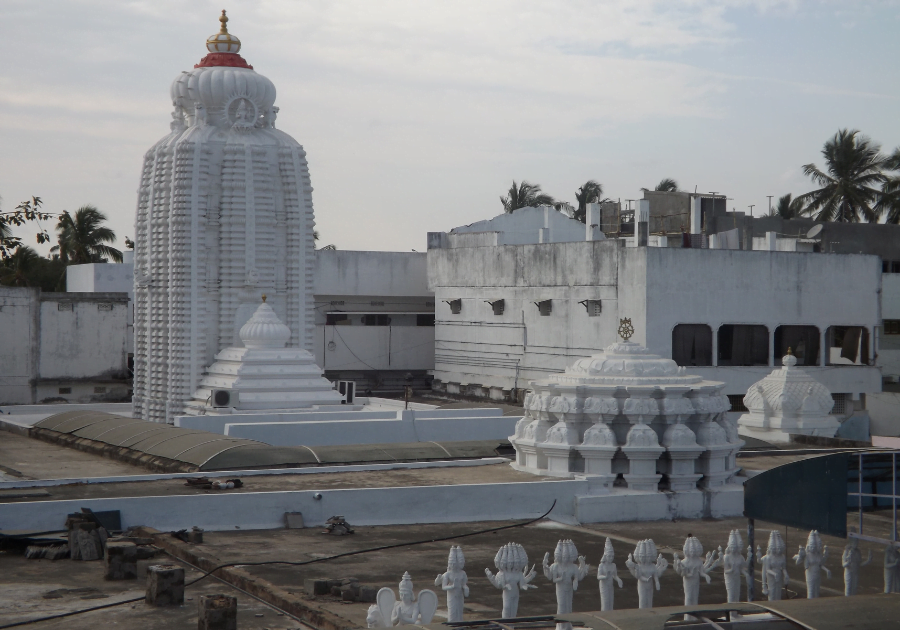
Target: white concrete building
{"x":224,"y":215}
{"x":508,"y":315}
{"x":62,"y":346}
{"x":374,"y":317}
{"x":107,"y":278}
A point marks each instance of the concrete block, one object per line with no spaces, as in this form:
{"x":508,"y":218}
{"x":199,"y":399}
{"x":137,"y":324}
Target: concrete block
{"x":165,"y":585}
{"x":141,"y":567}
{"x":85,"y":541}
{"x":317,"y":586}
{"x":217,"y":612}
{"x":367,"y":594}
{"x":121,"y":560}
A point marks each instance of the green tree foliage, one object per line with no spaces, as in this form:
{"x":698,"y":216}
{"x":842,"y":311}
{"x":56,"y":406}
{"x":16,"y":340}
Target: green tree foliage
{"x":525,"y":195}
{"x":25,"y":268}
{"x":82,"y":236}
{"x":851,"y":184}
{"x":26,"y":212}
{"x":667,"y":185}
{"x":787,"y":208}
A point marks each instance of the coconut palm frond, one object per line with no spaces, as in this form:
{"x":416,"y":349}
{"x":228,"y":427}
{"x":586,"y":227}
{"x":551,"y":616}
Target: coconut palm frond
{"x":667,"y":185}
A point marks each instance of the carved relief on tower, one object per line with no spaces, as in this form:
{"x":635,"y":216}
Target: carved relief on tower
{"x":242,"y":113}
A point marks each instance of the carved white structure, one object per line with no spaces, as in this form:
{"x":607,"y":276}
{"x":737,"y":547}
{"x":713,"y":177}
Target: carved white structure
{"x":852,"y":561}
{"x":627,"y":411}
{"x":694,"y":566}
{"x":224,"y":214}
{"x":607,"y":573}
{"x":787,"y":402}
{"x":734,"y":566}
{"x":813,"y":557}
{"x":646,"y":564}
{"x":265,"y":374}
{"x":409,"y":610}
{"x":512,"y":576}
{"x":567,"y":570}
{"x":455,"y":583}
{"x":891,"y":569}
{"x":773,"y":567}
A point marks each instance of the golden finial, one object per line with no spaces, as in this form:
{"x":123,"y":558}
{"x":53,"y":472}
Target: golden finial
{"x":626,"y":330}
{"x":224,"y":20}
{"x":789,"y":351}
{"x":264,"y":298}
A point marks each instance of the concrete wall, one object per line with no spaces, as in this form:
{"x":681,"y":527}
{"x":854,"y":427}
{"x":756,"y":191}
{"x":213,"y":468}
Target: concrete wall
{"x":340,"y":272}
{"x":884,"y":413}
{"x":657,"y":288}
{"x":100,"y":278}
{"x":53,"y":342}
{"x":343,"y":348}
{"x":522,"y":227}
{"x":478,"y":347}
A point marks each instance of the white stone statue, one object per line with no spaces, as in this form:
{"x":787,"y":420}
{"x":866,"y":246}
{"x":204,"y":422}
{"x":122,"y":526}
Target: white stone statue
{"x":607,"y":573}
{"x":646,"y":565}
{"x":734,"y":566}
{"x":891,"y":569}
{"x":513,"y":575}
{"x":813,"y":557}
{"x":852,"y":561}
{"x":409,"y":610}
{"x":373,"y":617}
{"x":565,"y":573}
{"x":693,"y":567}
{"x":774,"y":567}
{"x":455,"y":583}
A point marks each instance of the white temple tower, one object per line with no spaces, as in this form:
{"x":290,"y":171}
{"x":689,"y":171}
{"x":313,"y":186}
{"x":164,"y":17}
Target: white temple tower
{"x":224,"y":215}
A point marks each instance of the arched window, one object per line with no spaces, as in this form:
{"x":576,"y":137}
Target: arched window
{"x":803,"y":342}
{"x":692,"y":344}
{"x":741,"y":344}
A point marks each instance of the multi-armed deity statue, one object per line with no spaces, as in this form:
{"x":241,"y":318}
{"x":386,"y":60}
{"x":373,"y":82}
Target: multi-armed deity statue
{"x":735,"y":565}
{"x":409,"y":610}
{"x":852,"y":561}
{"x":646,"y":564}
{"x":891,"y":569}
{"x":774,"y":567}
{"x":607,"y":573}
{"x":567,"y":570}
{"x":512,"y":576}
{"x":693,"y":567}
{"x":813,"y":557}
{"x":455,"y":583}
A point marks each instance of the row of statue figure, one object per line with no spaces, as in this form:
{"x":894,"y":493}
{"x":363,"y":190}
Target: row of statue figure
{"x":646,"y":564}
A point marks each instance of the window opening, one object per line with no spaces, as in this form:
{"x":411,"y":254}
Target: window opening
{"x":337,"y":319}
{"x":891,"y":326}
{"x":848,"y":345}
{"x":423,"y":319}
{"x":737,"y":403}
{"x":692,"y":345}
{"x":545,"y":307}
{"x":741,"y":344}
{"x":803,"y":342}
{"x":376,"y":319}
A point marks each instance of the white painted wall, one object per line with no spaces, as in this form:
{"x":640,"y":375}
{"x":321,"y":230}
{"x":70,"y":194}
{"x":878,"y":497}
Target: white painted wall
{"x":884,"y":413}
{"x":61,"y":340}
{"x":101,"y":278}
{"x":657,"y":288}
{"x":380,"y":274}
{"x":522,"y":227}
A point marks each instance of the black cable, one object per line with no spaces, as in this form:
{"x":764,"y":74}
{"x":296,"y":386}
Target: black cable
{"x":288,"y":562}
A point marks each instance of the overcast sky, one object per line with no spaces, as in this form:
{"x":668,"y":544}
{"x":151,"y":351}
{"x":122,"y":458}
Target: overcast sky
{"x":417,"y":115}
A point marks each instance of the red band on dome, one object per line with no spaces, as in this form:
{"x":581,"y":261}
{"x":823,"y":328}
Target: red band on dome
{"x":231,"y":60}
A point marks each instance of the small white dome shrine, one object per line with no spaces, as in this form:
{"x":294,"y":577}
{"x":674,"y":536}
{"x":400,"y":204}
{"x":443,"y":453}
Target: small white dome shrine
{"x":265,"y":374}
{"x":630,"y":412}
{"x":787,"y":402}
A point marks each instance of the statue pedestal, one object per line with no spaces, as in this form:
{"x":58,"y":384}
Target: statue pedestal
{"x":598,"y":466}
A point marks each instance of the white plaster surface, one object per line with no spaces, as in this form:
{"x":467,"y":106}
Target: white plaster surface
{"x":522,"y":226}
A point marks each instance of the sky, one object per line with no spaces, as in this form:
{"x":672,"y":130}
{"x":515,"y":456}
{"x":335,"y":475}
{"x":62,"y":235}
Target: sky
{"x":417,"y":115}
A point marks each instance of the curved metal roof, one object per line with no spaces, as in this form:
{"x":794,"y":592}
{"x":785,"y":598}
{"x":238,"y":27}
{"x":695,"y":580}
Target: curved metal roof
{"x":213,"y":451}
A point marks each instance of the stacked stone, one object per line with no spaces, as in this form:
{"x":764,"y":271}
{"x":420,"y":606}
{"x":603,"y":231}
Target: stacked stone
{"x":627,"y":411}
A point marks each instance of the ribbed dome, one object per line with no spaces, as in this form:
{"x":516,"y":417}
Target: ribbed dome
{"x":264,"y":329}
{"x":229,"y":95}
{"x":789,"y":390}
{"x":626,"y":360}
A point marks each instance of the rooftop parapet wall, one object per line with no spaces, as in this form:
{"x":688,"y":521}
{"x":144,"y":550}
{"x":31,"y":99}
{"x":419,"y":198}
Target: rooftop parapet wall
{"x":386,"y":274}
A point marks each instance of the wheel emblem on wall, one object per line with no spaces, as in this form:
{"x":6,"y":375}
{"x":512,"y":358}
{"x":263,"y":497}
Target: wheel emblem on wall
{"x":625,"y":329}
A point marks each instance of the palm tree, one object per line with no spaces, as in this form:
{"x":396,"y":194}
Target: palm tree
{"x":787,"y":208}
{"x":18,"y":265}
{"x":850,"y":188}
{"x":667,"y":185}
{"x":590,"y":192}
{"x":889,"y":203}
{"x":525,"y":195}
{"x":81,"y":237}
